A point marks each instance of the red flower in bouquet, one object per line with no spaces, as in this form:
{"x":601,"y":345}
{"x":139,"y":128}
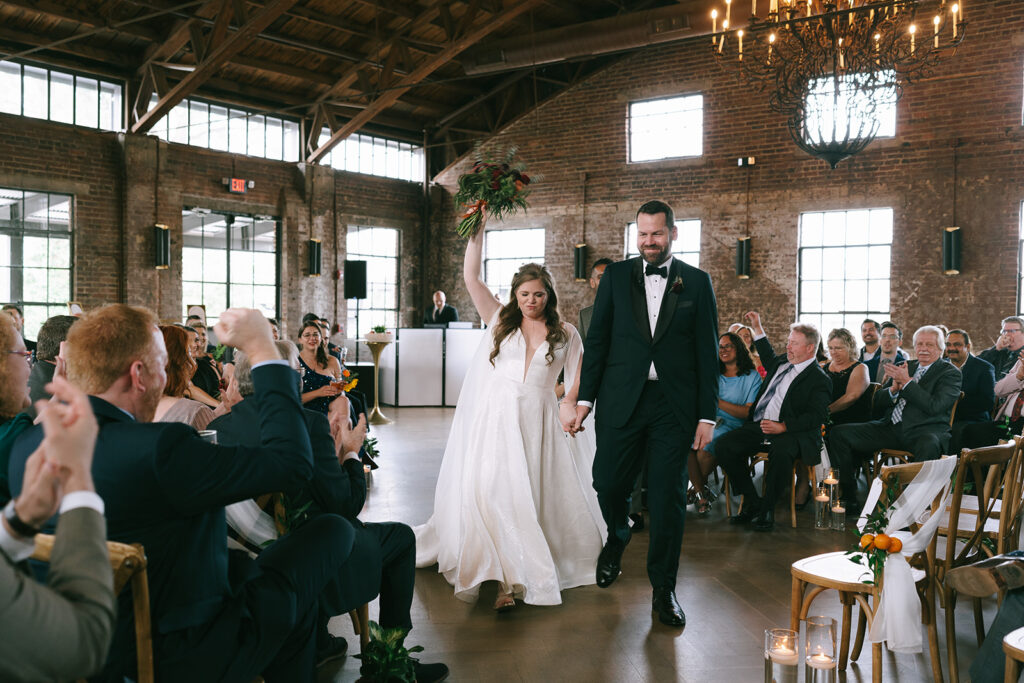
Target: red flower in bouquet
{"x":500,"y":188}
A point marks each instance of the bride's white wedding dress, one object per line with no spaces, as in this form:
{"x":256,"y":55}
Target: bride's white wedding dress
{"x":514,"y":500}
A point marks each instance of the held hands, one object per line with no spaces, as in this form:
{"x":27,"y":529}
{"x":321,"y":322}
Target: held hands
{"x":705,"y":431}
{"x":771,"y":427}
{"x":567,"y":416}
{"x":754,"y":318}
{"x":576,"y":424}
{"x":249,"y":331}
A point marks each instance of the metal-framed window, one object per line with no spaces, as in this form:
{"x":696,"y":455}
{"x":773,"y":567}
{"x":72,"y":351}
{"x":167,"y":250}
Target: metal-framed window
{"x":381,"y":248}
{"x":59,"y":95}
{"x":844,"y":267}
{"x":375,"y":156}
{"x":832,"y":116}
{"x":229,"y":129}
{"x":686,"y":248}
{"x":36,"y":253}
{"x":666,"y":128}
{"x":505,"y":252}
{"x":228,"y":260}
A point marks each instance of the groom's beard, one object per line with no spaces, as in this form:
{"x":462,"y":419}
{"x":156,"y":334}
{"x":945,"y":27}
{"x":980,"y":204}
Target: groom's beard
{"x":657,"y":258}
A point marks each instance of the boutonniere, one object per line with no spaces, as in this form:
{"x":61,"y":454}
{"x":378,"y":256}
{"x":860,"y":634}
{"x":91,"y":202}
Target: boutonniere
{"x":677,"y":285}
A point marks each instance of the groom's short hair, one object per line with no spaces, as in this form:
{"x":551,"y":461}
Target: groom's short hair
{"x":654,"y":207}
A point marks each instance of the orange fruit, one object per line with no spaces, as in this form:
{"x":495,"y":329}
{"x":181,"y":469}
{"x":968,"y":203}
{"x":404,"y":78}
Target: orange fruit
{"x":895,"y":545}
{"x":882,"y":542}
{"x":866,"y":540}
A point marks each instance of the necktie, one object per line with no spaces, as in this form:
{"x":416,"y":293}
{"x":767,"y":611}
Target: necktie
{"x":769,"y":394}
{"x":897,"y":412}
{"x":655,"y":270}
{"x":1018,"y":404}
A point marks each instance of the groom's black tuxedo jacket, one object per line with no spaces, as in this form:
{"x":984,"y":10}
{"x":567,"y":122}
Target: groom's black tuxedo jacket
{"x":804,"y":407}
{"x":620,"y":348}
{"x":166,"y":488}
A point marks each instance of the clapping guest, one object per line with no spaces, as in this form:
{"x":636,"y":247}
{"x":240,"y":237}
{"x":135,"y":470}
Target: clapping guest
{"x":173,"y":406}
{"x":738,"y":384}
{"x":60,"y":631}
{"x":14,"y":374}
{"x":320,"y":372}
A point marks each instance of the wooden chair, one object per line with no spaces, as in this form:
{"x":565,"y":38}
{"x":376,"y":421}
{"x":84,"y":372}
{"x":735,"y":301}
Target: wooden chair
{"x":818,"y":573}
{"x":762,"y":457}
{"x":128,"y":563}
{"x":888,"y":456}
{"x":361,"y":624}
{"x":1013,"y":646}
{"x":988,"y":524}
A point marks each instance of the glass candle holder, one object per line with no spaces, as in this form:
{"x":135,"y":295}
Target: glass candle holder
{"x":822,"y":508}
{"x":831,"y":477}
{"x":838,"y":517}
{"x":780,"y":655}
{"x":820,"y":650}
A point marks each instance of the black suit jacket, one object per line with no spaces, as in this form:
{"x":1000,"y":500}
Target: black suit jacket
{"x":873,"y":363}
{"x":929,"y":400}
{"x":166,"y":488}
{"x":620,"y":348}
{"x":804,"y":407}
{"x":449,"y":314}
{"x":978,"y":382}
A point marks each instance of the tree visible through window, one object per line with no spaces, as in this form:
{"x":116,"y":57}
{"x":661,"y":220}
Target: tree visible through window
{"x":666,"y":128}
{"x":505,"y":252}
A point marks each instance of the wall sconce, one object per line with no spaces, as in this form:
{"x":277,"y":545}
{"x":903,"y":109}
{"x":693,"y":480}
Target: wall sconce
{"x":313,"y":254}
{"x":579,"y":263}
{"x":743,"y":258}
{"x":951,"y":251}
{"x":162,"y":240}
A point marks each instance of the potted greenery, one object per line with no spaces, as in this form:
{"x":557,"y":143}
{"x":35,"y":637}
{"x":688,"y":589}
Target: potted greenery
{"x":386,"y":659}
{"x":379,"y":333}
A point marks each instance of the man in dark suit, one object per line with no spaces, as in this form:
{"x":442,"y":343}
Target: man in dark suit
{"x":889,"y":351}
{"x":51,"y":334}
{"x":920,"y":399}
{"x":587,"y":312}
{"x":789,"y":411}
{"x":1008,"y":346}
{"x":440,"y":313}
{"x":383,"y":559}
{"x":165,"y":487}
{"x":978,"y":381}
{"x":651,"y":362}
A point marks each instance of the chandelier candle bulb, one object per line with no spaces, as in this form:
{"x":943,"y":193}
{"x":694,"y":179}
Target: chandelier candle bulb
{"x":954,"y":9}
{"x":842,"y":62}
{"x":753,"y":8}
{"x":728,"y":10}
{"x":936,"y":21}
{"x":913,"y":31}
{"x":739,"y":35}
{"x":714,"y":25}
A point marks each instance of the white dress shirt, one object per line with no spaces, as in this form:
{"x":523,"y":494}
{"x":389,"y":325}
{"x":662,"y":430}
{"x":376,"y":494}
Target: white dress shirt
{"x":654,"y":288}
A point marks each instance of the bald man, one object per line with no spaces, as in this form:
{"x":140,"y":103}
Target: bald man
{"x":440,"y":313}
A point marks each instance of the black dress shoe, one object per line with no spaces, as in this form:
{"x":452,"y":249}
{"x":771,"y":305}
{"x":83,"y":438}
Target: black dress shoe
{"x":430,"y":673}
{"x":667,"y":607}
{"x":609,"y":562}
{"x":764,"y":521}
{"x":367,"y":460}
{"x":746,"y":515}
{"x":331,"y":649}
{"x":638,"y":521}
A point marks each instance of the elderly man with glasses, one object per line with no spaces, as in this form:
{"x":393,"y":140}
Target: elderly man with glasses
{"x":1004,"y":354}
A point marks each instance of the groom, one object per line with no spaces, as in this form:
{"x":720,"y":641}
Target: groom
{"x":651,"y":361}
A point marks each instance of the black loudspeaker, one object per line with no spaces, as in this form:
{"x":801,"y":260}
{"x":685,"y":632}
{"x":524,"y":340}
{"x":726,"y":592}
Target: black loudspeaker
{"x":951,"y":251}
{"x":743,"y":258}
{"x":162,"y":240}
{"x":579,"y":262}
{"x":355,"y":279}
{"x":314,"y":252}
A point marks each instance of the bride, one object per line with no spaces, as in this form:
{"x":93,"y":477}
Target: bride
{"x":514,"y":501}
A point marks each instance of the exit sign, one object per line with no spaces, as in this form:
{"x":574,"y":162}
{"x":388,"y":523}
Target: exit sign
{"x":238,"y":185}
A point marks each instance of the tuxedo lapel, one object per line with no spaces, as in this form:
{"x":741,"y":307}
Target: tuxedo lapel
{"x":639,"y":297}
{"x":668,"y":302}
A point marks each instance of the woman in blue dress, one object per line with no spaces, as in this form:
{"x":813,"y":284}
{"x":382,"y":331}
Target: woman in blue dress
{"x":738,"y":384}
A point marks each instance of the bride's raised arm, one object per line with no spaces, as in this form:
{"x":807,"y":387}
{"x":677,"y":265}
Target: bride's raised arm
{"x":472,"y":272}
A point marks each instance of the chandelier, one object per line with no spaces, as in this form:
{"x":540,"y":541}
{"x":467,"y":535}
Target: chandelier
{"x":836,"y":68}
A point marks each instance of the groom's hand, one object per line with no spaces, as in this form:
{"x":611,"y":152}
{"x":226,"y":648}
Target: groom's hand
{"x":581,"y":415}
{"x":567,"y":416}
{"x":702,"y":438}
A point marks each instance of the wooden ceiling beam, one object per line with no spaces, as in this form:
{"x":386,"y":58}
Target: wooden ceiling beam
{"x":98,"y":54}
{"x":219,"y":55}
{"x":58,"y":11}
{"x":426,"y":67}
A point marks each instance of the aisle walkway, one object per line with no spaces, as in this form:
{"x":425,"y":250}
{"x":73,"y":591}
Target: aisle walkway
{"x":732,"y":584}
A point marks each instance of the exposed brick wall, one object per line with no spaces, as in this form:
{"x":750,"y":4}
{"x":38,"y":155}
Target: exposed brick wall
{"x":578,"y":143}
{"x":114,"y":216}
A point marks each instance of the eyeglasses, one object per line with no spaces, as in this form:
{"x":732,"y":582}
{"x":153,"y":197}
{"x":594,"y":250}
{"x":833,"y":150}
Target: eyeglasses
{"x":27,"y":355}
{"x":1012,"y":331}
{"x":311,"y":336}
{"x":726,"y":347}
{"x":890,"y":336}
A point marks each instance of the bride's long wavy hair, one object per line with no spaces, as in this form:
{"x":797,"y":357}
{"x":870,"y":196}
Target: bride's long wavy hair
{"x":511,"y":317}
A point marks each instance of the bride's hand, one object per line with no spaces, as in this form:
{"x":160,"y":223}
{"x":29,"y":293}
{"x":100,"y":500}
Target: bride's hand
{"x":567,"y":416}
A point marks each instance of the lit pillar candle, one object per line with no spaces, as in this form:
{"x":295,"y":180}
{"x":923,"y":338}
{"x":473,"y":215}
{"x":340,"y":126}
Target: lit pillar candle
{"x":721,"y":40}
{"x":771,"y":44}
{"x":954,"y":10}
{"x":842,"y":62}
{"x":739,"y":35}
{"x":913,"y":31}
{"x":714,"y":25}
{"x":935,"y":22}
{"x":728,"y":10}
{"x":753,"y":8}
{"x":851,"y":13}
{"x":773,"y":7}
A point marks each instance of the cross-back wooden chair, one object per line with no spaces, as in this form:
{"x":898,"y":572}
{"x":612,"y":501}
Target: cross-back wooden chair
{"x":979,"y":526}
{"x":889,"y":456}
{"x":128,"y":563}
{"x":818,"y":573}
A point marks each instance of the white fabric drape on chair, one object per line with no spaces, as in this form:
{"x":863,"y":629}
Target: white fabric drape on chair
{"x":898,"y":617}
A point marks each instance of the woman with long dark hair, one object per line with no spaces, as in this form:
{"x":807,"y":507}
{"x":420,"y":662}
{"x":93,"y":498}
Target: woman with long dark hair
{"x":321,"y":373}
{"x":515,"y":502}
{"x":738,"y":384}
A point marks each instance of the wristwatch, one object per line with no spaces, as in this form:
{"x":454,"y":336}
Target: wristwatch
{"x":17,"y":525}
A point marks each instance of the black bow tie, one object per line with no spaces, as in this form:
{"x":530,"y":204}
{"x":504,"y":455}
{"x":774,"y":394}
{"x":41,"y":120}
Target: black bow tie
{"x":655,"y":270}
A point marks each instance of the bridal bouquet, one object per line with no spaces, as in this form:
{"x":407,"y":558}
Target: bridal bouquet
{"x":498,"y":187}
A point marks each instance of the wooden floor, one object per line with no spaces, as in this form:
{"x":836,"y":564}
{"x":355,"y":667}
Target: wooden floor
{"x":732,"y":584}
